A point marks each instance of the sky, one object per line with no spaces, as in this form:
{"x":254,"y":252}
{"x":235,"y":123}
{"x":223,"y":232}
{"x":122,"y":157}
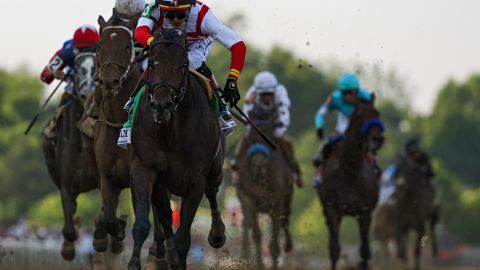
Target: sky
{"x":426,"y":41}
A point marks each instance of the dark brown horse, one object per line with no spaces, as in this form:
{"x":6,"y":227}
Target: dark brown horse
{"x":177,"y":146}
{"x":117,"y":76}
{"x":65,"y":159}
{"x":414,"y":207}
{"x":264,"y":185}
{"x":350,"y":183}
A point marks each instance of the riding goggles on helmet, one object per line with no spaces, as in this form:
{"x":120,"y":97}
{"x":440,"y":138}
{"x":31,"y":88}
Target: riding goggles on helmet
{"x":172,"y":14}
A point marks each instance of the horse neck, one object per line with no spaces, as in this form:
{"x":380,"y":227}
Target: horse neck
{"x":353,"y":147}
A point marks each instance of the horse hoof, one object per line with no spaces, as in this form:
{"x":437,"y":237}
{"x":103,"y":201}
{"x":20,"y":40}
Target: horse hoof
{"x":134,"y":264}
{"x":161,"y":264}
{"x":116,"y":246}
{"x":215,"y":241}
{"x":68,"y":250}
{"x":100,"y":244}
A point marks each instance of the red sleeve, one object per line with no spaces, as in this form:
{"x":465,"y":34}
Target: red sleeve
{"x":238,"y":51}
{"x":46,"y":76}
{"x":142,"y":34}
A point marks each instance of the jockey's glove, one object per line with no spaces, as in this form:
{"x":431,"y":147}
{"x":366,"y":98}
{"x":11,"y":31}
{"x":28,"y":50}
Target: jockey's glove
{"x":231,"y":94}
{"x":320,"y":133}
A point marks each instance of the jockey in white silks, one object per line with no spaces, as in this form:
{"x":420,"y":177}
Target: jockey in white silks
{"x":267,"y":92}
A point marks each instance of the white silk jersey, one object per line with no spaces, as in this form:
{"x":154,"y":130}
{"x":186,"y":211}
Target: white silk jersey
{"x":282,"y":102}
{"x":201,"y":24}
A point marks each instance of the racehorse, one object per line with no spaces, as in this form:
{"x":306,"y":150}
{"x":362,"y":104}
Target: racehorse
{"x":350,"y":183}
{"x":265,"y":185}
{"x":65,"y":159}
{"x":177,"y":146}
{"x":415,"y":207}
{"x":117,"y":75}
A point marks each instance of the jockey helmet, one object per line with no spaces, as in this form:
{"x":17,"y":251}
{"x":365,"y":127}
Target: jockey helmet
{"x":85,"y":36}
{"x":265,"y":82}
{"x":412,"y":145}
{"x":129,"y":8}
{"x":176,"y":4}
{"x":348,"y":81}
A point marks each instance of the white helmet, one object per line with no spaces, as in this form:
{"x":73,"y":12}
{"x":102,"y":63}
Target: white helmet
{"x":265,"y":82}
{"x":129,"y":8}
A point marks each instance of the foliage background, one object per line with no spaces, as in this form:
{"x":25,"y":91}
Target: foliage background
{"x":450,"y":134}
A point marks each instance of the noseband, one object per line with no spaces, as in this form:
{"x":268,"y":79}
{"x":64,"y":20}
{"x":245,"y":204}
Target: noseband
{"x":176,"y":93}
{"x":131,"y":62}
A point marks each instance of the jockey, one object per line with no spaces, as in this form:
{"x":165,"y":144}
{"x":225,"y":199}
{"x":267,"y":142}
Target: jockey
{"x":417,"y":156}
{"x":342,"y":99}
{"x":84,"y":39}
{"x":202,"y":27}
{"x":266,"y":92}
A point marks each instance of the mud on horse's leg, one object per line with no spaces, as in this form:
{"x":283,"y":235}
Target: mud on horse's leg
{"x":216,"y":236}
{"x":165,"y":257}
{"x":333,"y":220}
{"x":69,"y":206}
{"x":257,"y":240}
{"x":141,"y":188}
{"x":188,"y":210}
{"x":364,"y":222}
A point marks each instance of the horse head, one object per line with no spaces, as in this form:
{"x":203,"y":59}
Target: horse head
{"x":169,"y":74}
{"x":371,"y":127}
{"x":115,"y":57}
{"x":83,"y":77}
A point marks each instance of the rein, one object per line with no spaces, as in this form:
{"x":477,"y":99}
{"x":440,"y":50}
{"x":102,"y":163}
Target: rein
{"x":176,"y":93}
{"x":131,"y":63}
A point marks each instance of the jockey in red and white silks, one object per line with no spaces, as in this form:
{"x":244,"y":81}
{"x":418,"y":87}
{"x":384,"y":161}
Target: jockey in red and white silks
{"x":202,"y":28}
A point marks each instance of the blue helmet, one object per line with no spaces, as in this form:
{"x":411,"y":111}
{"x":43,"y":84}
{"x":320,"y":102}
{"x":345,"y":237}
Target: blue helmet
{"x":348,"y":81}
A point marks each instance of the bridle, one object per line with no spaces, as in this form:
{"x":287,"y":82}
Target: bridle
{"x":176,"y":92}
{"x":128,"y":69}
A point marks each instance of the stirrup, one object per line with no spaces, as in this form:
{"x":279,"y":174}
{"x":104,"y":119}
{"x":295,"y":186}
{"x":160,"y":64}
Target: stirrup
{"x":227,"y":126}
{"x":128,"y":106}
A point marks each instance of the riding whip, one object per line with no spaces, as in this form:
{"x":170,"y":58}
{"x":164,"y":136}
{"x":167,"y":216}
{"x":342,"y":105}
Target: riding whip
{"x":35,"y":118}
{"x":270,"y":142}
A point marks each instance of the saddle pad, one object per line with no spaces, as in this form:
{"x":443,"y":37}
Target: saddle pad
{"x":205,"y":82}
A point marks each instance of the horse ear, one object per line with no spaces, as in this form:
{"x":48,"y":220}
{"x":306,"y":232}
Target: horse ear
{"x":101,"y":22}
{"x":115,"y":13}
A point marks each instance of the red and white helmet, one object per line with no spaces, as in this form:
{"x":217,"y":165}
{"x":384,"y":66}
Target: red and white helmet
{"x":85,"y":36}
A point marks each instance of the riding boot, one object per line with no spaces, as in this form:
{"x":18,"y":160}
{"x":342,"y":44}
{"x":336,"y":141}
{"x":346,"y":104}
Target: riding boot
{"x":226,"y":119}
{"x":287,"y":149}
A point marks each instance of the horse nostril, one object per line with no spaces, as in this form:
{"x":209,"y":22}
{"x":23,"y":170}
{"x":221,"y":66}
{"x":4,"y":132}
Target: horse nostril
{"x":116,"y":82}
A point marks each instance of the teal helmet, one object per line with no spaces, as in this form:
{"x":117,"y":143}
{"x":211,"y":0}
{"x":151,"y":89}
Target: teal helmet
{"x":348,"y":81}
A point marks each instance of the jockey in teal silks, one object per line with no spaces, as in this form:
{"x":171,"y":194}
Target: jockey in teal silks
{"x":342,"y":99}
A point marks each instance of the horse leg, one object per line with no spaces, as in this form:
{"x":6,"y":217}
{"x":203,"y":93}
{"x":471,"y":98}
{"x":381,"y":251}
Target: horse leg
{"x":333,"y":220}
{"x":141,"y":188}
{"x":364,"y":222}
{"x":418,"y":246}
{"x":285,"y":220}
{"x":110,"y":195}
{"x":165,"y":255}
{"x":402,"y":245}
{"x":433,"y":222}
{"x":216,"y":236}
{"x":187,"y":214}
{"x":246,"y":225}
{"x":257,"y":240}
{"x":274,"y":246}
{"x":69,"y":206}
